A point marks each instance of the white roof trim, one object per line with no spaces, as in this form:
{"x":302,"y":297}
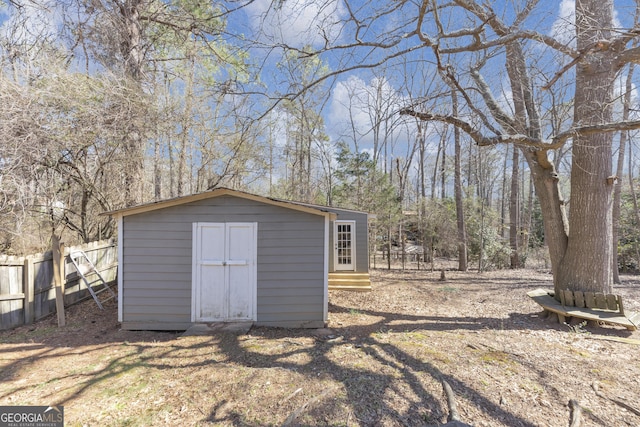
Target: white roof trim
{"x":218,"y":192}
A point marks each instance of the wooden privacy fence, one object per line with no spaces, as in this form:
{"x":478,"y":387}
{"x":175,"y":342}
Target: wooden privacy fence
{"x":27,"y":290}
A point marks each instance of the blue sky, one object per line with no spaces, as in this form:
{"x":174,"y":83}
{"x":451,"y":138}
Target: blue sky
{"x":310,"y":22}
{"x":298,"y":22}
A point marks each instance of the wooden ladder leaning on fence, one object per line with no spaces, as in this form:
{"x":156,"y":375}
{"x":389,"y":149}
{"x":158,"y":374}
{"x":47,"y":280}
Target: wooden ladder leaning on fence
{"x":91,"y":277}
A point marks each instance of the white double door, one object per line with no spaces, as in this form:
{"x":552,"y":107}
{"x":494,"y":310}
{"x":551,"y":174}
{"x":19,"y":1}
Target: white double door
{"x":224,"y":278}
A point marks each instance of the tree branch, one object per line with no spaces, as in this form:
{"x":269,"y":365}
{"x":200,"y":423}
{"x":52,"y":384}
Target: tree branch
{"x":477,"y":136}
{"x":450,"y":79}
{"x":590,"y":130}
{"x":505,"y":33}
{"x":561,"y":72}
{"x":519,"y":139}
{"x":500,"y":115}
{"x":598,"y":46}
{"x":629,"y":55}
{"x":524,"y":13}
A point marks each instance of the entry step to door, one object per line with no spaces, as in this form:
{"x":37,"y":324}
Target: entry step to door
{"x":358,"y":282}
{"x":213,"y":328}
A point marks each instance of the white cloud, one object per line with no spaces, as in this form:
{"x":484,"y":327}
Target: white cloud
{"x":278,"y":127}
{"x":369,"y":151}
{"x":564,"y":27}
{"x":348,"y":104}
{"x":616,"y":19}
{"x":619,"y":90}
{"x":355,"y":107}
{"x":356,"y":104}
{"x":297,"y":22}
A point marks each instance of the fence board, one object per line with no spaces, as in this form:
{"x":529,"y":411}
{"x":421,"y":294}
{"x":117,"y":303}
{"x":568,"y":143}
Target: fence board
{"x":27,"y":277}
{"x":10,"y":288}
{"x":20,"y":304}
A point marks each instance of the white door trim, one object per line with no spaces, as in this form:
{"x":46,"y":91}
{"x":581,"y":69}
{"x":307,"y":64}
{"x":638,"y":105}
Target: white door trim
{"x":338,"y":263}
{"x":120,"y":271}
{"x":227,"y":264}
{"x":325,"y":302}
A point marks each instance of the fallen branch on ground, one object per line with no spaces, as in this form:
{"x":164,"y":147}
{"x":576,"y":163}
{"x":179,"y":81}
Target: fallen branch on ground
{"x":295,"y":414}
{"x":451,"y":402}
{"x":291,"y":396}
{"x":626,"y":406}
{"x":576,"y":413}
{"x":453,"y":420}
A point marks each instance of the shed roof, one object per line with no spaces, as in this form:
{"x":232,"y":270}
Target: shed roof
{"x":218,"y":192}
{"x":333,"y":208}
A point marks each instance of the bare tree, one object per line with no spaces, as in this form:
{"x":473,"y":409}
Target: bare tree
{"x":79,"y":141}
{"x":617,"y":195}
{"x":469,"y":41}
{"x":514,"y":211}
{"x":142,"y":40}
{"x":580,"y":260}
{"x":57,"y":138}
{"x":462,"y":230}
{"x":305,"y":125}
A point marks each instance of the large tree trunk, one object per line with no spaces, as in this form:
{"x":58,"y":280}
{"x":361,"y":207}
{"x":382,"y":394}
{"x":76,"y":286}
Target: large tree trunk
{"x":514,"y":211}
{"x":586,"y":265}
{"x":581,"y":252}
{"x":503,"y":199}
{"x":133,"y":170}
{"x":422,"y":130}
{"x":185,"y":136}
{"x":619,"y":171}
{"x":580,"y":249}
{"x":546,"y":184}
{"x":634,"y":197}
{"x":443,"y":171}
{"x":543,"y":172}
{"x":526,"y":121}
{"x":133,"y":54}
{"x":462,"y":231}
{"x":435,"y":168}
{"x":527,"y":224}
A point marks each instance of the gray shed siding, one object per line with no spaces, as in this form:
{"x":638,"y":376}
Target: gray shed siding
{"x":157,"y":258}
{"x":362,"y":238}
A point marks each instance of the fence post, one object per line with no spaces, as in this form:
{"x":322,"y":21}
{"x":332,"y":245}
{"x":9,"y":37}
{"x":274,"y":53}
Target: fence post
{"x":28,"y":288}
{"x":58,"y":277}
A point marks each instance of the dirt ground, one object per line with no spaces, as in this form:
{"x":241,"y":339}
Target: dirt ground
{"x":381,"y":363}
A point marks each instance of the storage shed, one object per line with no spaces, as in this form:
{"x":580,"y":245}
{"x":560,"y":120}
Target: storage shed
{"x":226,"y":255}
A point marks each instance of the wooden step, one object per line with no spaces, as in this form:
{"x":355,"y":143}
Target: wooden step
{"x":363,"y":276}
{"x":357,"y":282}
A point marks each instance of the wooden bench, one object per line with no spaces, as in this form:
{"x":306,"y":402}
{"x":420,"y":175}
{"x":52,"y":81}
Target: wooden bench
{"x":606,"y":308}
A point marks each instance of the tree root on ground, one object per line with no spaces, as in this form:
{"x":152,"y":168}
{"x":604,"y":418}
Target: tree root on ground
{"x":576,"y":413}
{"x":453,"y":420}
{"x":618,"y":402}
{"x":295,"y":414}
